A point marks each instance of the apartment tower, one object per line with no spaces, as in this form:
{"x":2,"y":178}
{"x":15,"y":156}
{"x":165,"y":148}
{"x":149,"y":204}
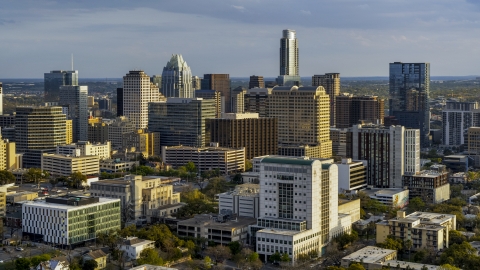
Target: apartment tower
{"x":409,"y":87}
{"x":350,"y":110}
{"x":331,"y":83}
{"x":457,"y":117}
{"x":289,"y":66}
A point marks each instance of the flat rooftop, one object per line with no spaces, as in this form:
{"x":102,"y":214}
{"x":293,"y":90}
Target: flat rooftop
{"x":412,"y":265}
{"x":210,"y":222}
{"x":280,"y":231}
{"x":245,"y":190}
{"x":385,"y":191}
{"x":47,"y":204}
{"x":431,"y":217}
{"x":369,"y":254}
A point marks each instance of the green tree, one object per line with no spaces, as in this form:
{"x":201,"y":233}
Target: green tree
{"x":90,"y":265}
{"x":460,"y":255}
{"x":77,"y":179}
{"x":215,"y":186}
{"x":142,"y":170}
{"x":391,"y":243}
{"x":235,"y":247}
{"x":36,"y":260}
{"x":447,"y":267}
{"x":356,"y":266}
{"x":150,"y":256}
{"x":416,"y":204}
{"x":6,"y":177}
{"x":407,"y":245}
{"x":347,"y":238}
{"x":456,"y":237}
{"x":35,"y":175}
{"x":420,"y":255}
{"x":22,"y":264}
{"x":248,"y":165}
{"x":285,"y":257}
{"x":218,"y":253}
{"x":275,"y":257}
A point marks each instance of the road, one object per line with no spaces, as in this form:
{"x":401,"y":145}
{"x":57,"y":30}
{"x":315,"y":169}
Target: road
{"x":11,"y":254}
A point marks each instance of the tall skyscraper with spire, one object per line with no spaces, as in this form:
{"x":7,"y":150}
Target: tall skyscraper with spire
{"x":177,"y":78}
{"x":289,"y":71}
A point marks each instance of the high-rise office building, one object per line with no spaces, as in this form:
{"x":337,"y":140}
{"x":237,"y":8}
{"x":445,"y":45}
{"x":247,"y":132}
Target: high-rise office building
{"x":98,"y":132}
{"x":246,"y":130}
{"x":105,"y":104}
{"x":457,"y":117}
{"x":221,"y":83}
{"x":55,"y":79}
{"x":177,"y":78}
{"x":303,"y":120}
{"x":138,"y":91}
{"x":117,"y":129}
{"x":303,"y":216}
{"x":238,"y":100}
{"x":289,"y":72}
{"x":256,"y":81}
{"x":196,"y":83}
{"x":351,"y":109}
{"x":157,"y":81}
{"x":216,"y":96}
{"x":256,"y":101}
{"x":75,"y":99}
{"x":68,"y":131}
{"x":409,"y":87}
{"x":387,"y":150}
{"x":1,"y":98}
{"x":331,"y":83}
{"x":39,"y":128}
{"x":182,"y":121}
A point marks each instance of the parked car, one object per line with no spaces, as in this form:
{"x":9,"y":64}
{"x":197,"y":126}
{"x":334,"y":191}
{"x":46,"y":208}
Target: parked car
{"x":19,"y":249}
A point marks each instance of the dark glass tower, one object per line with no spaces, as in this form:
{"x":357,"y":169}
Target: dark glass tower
{"x":55,"y":79}
{"x":409,"y":93}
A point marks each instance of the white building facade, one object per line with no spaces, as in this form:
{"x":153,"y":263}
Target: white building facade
{"x":86,"y":149}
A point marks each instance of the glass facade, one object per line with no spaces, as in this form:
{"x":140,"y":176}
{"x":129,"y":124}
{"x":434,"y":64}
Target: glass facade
{"x":285,"y":200}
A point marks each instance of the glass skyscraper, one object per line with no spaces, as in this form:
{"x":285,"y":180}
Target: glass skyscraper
{"x":55,"y":79}
{"x":289,"y":74}
{"x":409,"y":93}
{"x":177,"y":78}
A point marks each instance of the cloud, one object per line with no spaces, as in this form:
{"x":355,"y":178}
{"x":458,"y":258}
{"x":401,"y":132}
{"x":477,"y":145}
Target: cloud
{"x":305,"y":12}
{"x":239,"y":8}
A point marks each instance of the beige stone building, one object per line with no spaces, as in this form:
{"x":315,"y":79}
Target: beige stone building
{"x":331,"y":83}
{"x":64,"y":165}
{"x":425,"y":230}
{"x":8,"y":160}
{"x":143,"y":142}
{"x":303,"y":115}
{"x":69,"y":131}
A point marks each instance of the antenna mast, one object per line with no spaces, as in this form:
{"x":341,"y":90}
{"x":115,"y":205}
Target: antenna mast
{"x":72,"y":61}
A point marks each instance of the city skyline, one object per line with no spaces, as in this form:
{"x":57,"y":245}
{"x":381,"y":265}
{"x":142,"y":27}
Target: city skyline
{"x":237,"y":37}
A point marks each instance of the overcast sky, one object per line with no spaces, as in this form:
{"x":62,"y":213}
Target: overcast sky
{"x":353,"y":37}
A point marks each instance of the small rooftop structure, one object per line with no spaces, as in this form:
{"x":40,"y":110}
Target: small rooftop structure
{"x":246,"y":190}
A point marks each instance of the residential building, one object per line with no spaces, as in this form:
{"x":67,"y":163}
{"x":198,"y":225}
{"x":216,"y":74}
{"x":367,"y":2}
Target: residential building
{"x":85,"y":148}
{"x":457,"y":118}
{"x":216,"y":96}
{"x":426,"y":230}
{"x":228,"y":160}
{"x":352,"y":175}
{"x":116,"y":165}
{"x":431,"y":186}
{"x":8,"y":155}
{"x":244,"y":201}
{"x":138,"y":91}
{"x":409,"y":87}
{"x":98,"y":256}
{"x":53,"y":265}
{"x":68,"y":131}
{"x":55,"y":79}
{"x":331,"y":83}
{"x":142,"y":142}
{"x":392,"y":197}
{"x":371,"y":257}
{"x":256,"y":82}
{"x":177,"y":78}
{"x":97,"y":132}
{"x":473,"y":145}
{"x":351,"y":110}
{"x":39,"y":128}
{"x":218,"y":229}
{"x":302,"y":217}
{"x":458,"y":178}
{"x":142,"y":198}
{"x":456,"y":163}
{"x":289,"y":66}
{"x":117,"y":129}
{"x":412,"y":151}
{"x":220,"y":83}
{"x":133,"y":246}
{"x":238,"y":100}
{"x":70,"y":220}
{"x":181,"y":121}
{"x":339,"y":141}
{"x":256,"y":101}
{"x":303,"y":131}
{"x":64,"y":165}
{"x":237,"y":130}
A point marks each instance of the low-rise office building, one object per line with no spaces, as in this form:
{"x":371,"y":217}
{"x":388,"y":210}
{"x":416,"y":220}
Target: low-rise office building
{"x":456,"y":163}
{"x":352,"y":175}
{"x":228,"y":160}
{"x":142,"y":142}
{"x":430,"y":185}
{"x":83,"y":148}
{"x":142,"y":197}
{"x":21,"y":196}
{"x":217,"y":229}
{"x":243,"y":201}
{"x":394,"y":197}
{"x":426,"y":230}
{"x":116,"y":165}
{"x":64,"y":165}
{"x":69,"y":220}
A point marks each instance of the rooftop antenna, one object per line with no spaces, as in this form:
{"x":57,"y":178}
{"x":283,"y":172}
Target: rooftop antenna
{"x":72,"y":61}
